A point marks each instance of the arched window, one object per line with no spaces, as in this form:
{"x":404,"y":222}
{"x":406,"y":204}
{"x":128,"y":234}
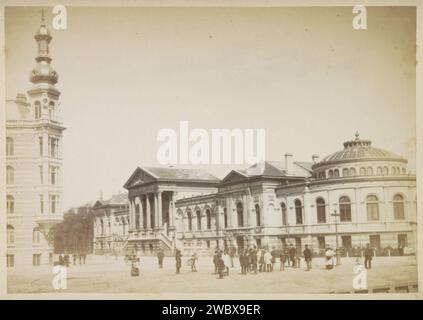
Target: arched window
{"x":284,"y":218}
{"x":345,"y":172}
{"x":404,"y":171}
{"x":398,"y":207}
{"x":258,"y":217}
{"x":36,"y":235}
{"x":330,"y":174}
{"x":362,"y":171}
{"x":379,"y":171}
{"x":345,"y":209}
{"x":225,"y":218}
{"x":10,"y":175}
{"x":393,"y":170}
{"x":189,"y":217}
{"x":323,"y":174}
{"x":353,"y":172}
{"x":240,"y":214}
{"x":102,"y":226}
{"x":372,"y":204}
{"x":10,"y":234}
{"x":10,"y":150}
{"x":198,"y":219}
{"x":336,"y":173}
{"x":369,"y":171}
{"x":208,"y":216}
{"x":385,"y":171}
{"x":37,"y":109}
{"x":10,"y":204}
{"x":321,"y":210}
{"x":51,"y":111}
{"x":298,"y":211}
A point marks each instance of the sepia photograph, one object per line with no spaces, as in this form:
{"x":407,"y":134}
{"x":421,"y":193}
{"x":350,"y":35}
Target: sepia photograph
{"x":201,"y":150}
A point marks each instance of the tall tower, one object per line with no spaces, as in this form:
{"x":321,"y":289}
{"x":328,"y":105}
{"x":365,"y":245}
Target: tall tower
{"x":34,"y":162}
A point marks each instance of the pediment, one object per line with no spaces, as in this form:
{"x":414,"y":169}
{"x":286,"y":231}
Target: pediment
{"x":139,"y":177}
{"x":234,"y":176}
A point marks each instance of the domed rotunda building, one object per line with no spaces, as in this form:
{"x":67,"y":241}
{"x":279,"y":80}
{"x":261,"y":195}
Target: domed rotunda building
{"x":362,"y":193}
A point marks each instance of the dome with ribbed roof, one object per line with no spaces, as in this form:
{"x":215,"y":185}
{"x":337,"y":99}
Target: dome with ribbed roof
{"x":359,"y":150}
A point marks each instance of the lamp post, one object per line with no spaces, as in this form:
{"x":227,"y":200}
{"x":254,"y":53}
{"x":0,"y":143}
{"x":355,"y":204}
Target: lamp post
{"x":338,"y":255}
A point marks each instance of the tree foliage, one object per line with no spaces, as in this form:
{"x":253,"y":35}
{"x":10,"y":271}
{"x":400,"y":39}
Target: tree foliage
{"x":75,"y":233}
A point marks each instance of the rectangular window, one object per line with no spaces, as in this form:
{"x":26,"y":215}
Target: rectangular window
{"x":322,"y":242}
{"x":41,"y":203}
{"x":41,"y":174}
{"x":41,"y":145}
{"x":10,"y":260}
{"x":53,"y":203}
{"x":375,"y":241}
{"x":36,"y":259}
{"x":208,"y":244}
{"x":53,"y":175}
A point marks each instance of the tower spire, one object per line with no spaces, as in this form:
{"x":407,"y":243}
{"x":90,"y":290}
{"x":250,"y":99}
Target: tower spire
{"x":43,"y":72}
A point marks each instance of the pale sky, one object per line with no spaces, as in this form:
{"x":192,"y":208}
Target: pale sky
{"x":303,"y":74}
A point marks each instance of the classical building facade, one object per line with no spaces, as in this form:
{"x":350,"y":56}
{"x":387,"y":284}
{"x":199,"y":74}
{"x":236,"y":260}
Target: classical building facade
{"x":152,"y":194}
{"x":111,"y":224}
{"x":34,"y":162}
{"x":358,"y":195}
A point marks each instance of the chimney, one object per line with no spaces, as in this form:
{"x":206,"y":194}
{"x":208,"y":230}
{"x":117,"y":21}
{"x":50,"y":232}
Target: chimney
{"x":315,"y":158}
{"x":288,"y":162}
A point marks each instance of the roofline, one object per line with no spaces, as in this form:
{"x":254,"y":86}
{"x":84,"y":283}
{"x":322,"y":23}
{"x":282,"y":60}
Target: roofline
{"x":322,"y":163}
{"x":348,"y":180}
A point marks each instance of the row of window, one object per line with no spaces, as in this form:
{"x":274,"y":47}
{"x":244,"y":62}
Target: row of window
{"x":38,"y":110}
{"x":36,"y":260}
{"x":53,"y":200}
{"x":53,"y":146}
{"x":372,"y":206}
{"x":122,"y":222}
{"x":346,"y":241}
{"x":36,"y":235}
{"x":53,"y":175}
{"x":363,"y":171}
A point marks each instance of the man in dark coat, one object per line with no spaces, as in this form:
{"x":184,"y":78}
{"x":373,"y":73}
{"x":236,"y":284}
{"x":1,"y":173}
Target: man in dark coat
{"x":243,"y":261}
{"x":220,"y":265}
{"x":307,"y":257}
{"x":253,"y":255}
{"x":215,"y":261}
{"x":178,"y":260}
{"x":292,"y":254}
{"x":368,"y":256}
{"x":160,"y":257}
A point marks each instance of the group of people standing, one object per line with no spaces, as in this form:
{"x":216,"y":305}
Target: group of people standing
{"x":255,"y":260}
{"x":64,"y":259}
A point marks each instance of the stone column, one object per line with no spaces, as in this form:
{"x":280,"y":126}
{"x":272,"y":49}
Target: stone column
{"x":159,"y":209}
{"x":131,"y":219}
{"x":245,"y":211}
{"x":156,"y":211}
{"x":229,"y":211}
{"x":141,"y":214}
{"x":171,"y":208}
{"x":148,"y":209}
